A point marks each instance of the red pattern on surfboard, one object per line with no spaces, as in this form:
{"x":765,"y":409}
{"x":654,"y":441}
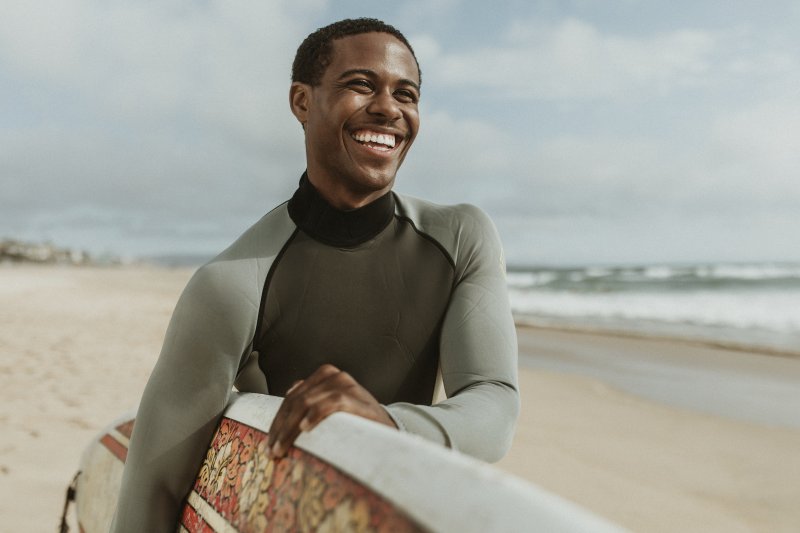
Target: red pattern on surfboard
{"x":113,"y":444}
{"x":115,"y":447}
{"x":126,"y":428}
{"x":198,"y":525}
{"x":297,"y":493}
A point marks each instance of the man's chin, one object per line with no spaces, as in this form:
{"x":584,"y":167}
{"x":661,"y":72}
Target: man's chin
{"x":365,"y":190}
{"x":374,"y":180}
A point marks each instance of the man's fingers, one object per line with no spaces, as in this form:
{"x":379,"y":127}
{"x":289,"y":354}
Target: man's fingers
{"x":310,"y":401}
{"x":321,"y":374}
{"x":286,"y":425}
{"x":321,"y":410}
{"x":294,"y":386}
{"x":286,"y":420}
{"x":304,"y":410}
{"x":341,"y":393}
{"x":298,"y":388}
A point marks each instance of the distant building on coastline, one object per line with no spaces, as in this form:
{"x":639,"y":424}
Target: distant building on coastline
{"x":14,"y":251}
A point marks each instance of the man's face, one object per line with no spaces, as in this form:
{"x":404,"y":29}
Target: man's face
{"x":362,"y":118}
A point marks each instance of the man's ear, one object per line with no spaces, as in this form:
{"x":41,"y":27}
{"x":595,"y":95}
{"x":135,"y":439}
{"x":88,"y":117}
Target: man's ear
{"x":299,"y":101}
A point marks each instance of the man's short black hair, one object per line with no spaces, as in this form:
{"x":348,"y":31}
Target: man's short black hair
{"x":314,"y":54}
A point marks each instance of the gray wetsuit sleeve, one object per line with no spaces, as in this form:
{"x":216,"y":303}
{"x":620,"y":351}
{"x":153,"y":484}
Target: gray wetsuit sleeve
{"x":207,"y":341}
{"x":478,"y":349}
{"x":186,"y":394}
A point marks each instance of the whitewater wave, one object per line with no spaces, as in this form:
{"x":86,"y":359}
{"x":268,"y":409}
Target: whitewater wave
{"x":724,"y":302}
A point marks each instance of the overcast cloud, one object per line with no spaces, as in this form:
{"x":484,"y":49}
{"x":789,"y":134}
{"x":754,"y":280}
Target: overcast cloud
{"x":140,"y":128}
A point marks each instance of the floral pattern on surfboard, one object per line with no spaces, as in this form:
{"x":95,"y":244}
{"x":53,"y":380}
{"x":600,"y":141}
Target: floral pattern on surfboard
{"x":239,"y":487}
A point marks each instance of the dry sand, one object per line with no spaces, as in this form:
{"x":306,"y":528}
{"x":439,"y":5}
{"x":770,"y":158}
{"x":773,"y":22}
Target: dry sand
{"x":77,"y":345}
{"x":649,"y":466}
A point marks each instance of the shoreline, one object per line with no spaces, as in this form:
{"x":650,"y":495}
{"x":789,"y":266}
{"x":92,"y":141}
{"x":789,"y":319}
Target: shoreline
{"x":578,"y":329}
{"x":737,"y":385}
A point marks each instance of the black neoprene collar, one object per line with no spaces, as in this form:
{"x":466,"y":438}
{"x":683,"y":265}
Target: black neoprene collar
{"x":324,"y":223}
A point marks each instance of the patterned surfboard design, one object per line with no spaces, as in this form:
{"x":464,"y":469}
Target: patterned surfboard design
{"x":240,"y":489}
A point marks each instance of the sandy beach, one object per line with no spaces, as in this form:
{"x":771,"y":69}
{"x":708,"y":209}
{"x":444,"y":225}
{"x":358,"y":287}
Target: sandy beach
{"x":656,"y":435}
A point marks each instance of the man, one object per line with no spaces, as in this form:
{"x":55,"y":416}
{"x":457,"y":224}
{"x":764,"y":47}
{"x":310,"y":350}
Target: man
{"x":348,"y":297}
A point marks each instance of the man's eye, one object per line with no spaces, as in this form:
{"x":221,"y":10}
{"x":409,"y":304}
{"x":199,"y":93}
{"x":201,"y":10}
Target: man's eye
{"x":360,"y":84}
{"x":406,"y":96}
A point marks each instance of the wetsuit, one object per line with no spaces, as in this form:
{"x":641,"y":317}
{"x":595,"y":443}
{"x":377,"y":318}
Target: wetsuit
{"x":389,"y":292}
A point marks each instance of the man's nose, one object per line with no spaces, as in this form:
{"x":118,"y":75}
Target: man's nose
{"x":384,"y":104}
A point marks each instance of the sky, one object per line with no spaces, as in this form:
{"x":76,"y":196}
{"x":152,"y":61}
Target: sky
{"x":592,"y":132}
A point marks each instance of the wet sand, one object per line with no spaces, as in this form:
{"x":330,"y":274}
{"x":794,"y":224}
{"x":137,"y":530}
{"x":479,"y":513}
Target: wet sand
{"x":685,"y":463}
{"x":77,"y":345}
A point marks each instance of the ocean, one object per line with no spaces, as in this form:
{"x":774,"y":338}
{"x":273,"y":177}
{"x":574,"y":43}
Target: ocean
{"x":748,"y":306}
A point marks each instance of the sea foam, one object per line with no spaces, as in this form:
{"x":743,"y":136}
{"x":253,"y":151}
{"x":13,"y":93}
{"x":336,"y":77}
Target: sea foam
{"x":750,"y":304}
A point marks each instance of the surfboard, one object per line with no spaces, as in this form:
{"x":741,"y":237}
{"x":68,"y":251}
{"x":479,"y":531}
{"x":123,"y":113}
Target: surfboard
{"x":348,"y":474}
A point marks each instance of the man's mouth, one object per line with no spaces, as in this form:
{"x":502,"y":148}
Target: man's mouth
{"x":383,"y":142}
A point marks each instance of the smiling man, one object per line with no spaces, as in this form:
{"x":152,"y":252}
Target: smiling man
{"x":348,"y":297}
{"x":360,"y":117}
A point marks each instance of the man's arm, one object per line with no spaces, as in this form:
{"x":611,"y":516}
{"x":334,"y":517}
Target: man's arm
{"x":478,"y":352}
{"x":186,"y":394}
{"x":209,"y":334}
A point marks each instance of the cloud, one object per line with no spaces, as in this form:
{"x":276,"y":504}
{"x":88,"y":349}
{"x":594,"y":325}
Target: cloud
{"x":574,"y":60}
{"x":219,"y":64}
{"x":728,"y":148}
{"x":594,"y":197}
{"x":658,"y":239}
{"x":764,"y":135}
{"x":462,"y":159}
{"x":168,"y":111}
{"x":457,"y":159}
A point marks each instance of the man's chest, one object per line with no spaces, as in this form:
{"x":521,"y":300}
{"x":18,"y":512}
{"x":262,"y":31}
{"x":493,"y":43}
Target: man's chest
{"x":374,"y":311}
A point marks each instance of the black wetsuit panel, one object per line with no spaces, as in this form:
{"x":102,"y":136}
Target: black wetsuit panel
{"x":373,"y":309}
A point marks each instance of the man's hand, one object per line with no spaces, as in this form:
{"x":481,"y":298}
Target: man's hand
{"x":310,"y":401}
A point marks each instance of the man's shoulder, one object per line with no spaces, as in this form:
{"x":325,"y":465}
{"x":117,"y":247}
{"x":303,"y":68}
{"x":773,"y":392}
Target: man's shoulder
{"x":459,"y":228}
{"x":426,"y":214}
{"x":265,"y":238}
{"x":244,"y":264}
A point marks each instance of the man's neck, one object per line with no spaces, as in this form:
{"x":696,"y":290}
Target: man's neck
{"x":338,"y":195}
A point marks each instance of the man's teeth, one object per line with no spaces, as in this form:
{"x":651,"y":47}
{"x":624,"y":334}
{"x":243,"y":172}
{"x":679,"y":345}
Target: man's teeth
{"x":372,"y":137}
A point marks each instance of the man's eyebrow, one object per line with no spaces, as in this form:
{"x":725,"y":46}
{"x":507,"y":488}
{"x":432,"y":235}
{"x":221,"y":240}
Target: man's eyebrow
{"x":371,"y":74}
